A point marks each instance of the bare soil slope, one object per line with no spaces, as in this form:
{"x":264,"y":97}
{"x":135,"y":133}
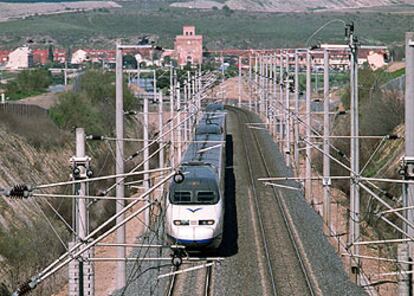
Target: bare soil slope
{"x":295,"y":5}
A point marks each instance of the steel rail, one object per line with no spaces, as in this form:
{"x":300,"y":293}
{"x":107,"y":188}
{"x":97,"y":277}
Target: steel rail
{"x":171,"y":288}
{"x":283,"y":210}
{"x":258,"y":212}
{"x":207,"y":280}
{"x":282,"y":207}
{"x":171,"y":282}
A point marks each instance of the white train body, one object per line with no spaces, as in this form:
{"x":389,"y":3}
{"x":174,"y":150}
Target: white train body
{"x":195,"y":207}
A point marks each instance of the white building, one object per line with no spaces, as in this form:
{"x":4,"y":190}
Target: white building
{"x":21,"y":58}
{"x":376,"y":60}
{"x":79,"y":56}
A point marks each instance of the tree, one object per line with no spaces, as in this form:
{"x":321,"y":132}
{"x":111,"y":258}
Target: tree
{"x":130,"y":62}
{"x":50,"y":55}
{"x":227,"y":10}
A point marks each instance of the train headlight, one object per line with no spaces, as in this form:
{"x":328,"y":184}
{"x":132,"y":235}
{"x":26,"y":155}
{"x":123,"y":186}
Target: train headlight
{"x":181,"y":222}
{"x":206,"y":222}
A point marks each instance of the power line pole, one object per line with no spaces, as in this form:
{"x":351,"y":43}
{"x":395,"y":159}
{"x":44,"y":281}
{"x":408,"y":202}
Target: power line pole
{"x":407,"y":251}
{"x":326,"y":150}
{"x":274,"y":98}
{"x":250,"y":83}
{"x":308,"y":174}
{"x":256,"y":78}
{"x":185,"y":110}
{"x":354,"y":231}
{"x":146,"y":158}
{"x":287,"y":112}
{"x":172,"y":144}
{"x":65,"y":73}
{"x":261,"y":89}
{"x":296,"y":148}
{"x":120,"y":188}
{"x":192,"y":100}
{"x":240,"y":81}
{"x":179,"y":122}
{"x":161,"y":128}
{"x":281,"y":103}
{"x":266,"y":88}
{"x":81,"y":273}
{"x":270,"y":94}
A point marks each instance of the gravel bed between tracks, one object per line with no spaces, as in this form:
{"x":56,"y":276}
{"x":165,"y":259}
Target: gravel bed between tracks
{"x":240,"y":273}
{"x":325,"y":263}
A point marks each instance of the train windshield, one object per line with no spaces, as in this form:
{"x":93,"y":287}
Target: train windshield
{"x":194,"y":197}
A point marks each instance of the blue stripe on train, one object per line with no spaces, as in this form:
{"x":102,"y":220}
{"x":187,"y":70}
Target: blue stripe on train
{"x":187,"y":241}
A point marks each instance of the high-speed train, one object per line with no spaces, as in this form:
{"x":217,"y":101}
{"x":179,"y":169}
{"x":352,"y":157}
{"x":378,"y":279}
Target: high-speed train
{"x":195,"y":207}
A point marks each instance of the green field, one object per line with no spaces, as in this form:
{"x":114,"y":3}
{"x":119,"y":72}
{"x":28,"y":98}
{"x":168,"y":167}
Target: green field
{"x":220,"y":28}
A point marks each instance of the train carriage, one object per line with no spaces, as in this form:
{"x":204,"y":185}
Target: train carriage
{"x":195,"y":207}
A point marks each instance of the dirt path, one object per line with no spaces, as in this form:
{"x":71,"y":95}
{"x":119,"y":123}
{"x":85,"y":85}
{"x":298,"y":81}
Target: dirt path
{"x":45,"y":101}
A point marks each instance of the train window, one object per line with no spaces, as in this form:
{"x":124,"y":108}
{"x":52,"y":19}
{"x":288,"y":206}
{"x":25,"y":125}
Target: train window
{"x":206,"y":196}
{"x":210,"y":129}
{"x":182,"y":196}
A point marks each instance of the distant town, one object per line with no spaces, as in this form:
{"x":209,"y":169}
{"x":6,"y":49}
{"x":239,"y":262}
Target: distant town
{"x":188,"y":49}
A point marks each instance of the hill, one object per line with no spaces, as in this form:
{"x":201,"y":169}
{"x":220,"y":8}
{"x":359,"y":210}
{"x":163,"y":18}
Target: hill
{"x":294,"y":5}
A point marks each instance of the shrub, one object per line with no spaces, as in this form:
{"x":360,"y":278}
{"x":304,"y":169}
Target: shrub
{"x":40,"y":132}
{"x":93,"y":106}
{"x":28,"y":83}
{"x":26,"y":249}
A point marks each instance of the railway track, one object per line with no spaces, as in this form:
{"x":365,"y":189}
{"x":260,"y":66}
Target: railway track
{"x":285,"y":265}
{"x":195,"y":283}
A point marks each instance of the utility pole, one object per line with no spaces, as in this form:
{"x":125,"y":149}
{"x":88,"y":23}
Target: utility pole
{"x":270,"y":93}
{"x":120,"y":188}
{"x":161,"y":127}
{"x":406,"y":251}
{"x":281,"y":104}
{"x":287,"y":112}
{"x":326,"y":150}
{"x":269,"y":79}
{"x":354,"y":232}
{"x":65,"y":73}
{"x":261,"y":88}
{"x":146,"y":159}
{"x":200,"y":82}
{"x":190,"y":99}
{"x":81,"y":273}
{"x":172,"y":145}
{"x":240,"y":81}
{"x":179,"y":123}
{"x":274,"y":98}
{"x":296,"y":148}
{"x":250,"y":83}
{"x":256,"y":77}
{"x":308,"y":176}
{"x":185,"y":110}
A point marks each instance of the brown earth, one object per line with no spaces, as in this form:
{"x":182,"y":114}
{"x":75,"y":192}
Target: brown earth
{"x":293,"y":5}
{"x":10,"y":11}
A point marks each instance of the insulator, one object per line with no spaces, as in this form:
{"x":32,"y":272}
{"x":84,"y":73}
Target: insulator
{"x":132,"y":156}
{"x":89,"y":173}
{"x":341,"y":154}
{"x":76,"y":172}
{"x":393,"y":137}
{"x":19,"y":191}
{"x":179,"y":177}
{"x":95,"y":137}
{"x":24,"y":288}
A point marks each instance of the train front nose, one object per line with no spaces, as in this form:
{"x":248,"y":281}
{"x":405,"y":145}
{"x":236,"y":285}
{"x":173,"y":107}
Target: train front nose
{"x":195,"y":236}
